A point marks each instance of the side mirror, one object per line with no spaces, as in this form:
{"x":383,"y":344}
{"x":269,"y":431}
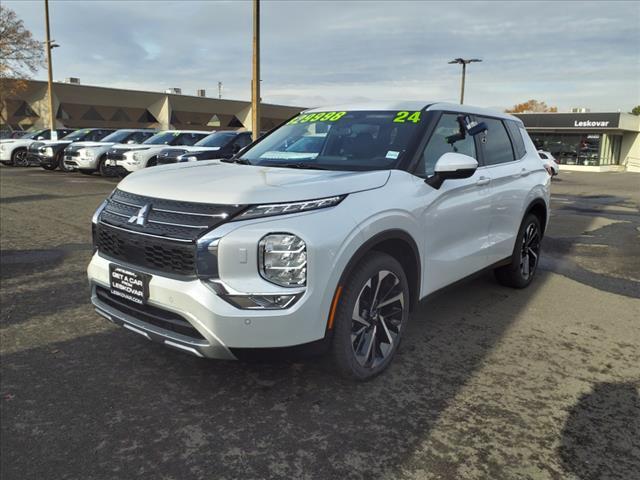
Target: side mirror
{"x":451,"y":166}
{"x":40,"y":137}
{"x":131,"y":141}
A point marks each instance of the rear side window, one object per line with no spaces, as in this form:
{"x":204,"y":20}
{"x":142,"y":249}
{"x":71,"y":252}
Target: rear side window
{"x":496,"y":142}
{"x":516,"y":138}
{"x":543,"y":156}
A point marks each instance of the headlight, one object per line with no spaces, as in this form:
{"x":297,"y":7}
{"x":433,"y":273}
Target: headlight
{"x":138,"y":156}
{"x":282,"y":259}
{"x":48,"y":152}
{"x":88,"y":153}
{"x":293,"y":207}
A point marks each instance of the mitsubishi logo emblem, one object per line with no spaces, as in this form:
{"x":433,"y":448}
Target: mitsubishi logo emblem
{"x":140,"y":218}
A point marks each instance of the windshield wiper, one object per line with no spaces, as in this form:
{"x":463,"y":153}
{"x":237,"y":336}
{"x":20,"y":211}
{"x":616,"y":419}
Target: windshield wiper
{"x":309,"y":166}
{"x":241,"y":161}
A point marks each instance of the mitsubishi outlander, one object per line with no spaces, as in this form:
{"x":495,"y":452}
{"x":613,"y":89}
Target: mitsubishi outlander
{"x":323,"y":234}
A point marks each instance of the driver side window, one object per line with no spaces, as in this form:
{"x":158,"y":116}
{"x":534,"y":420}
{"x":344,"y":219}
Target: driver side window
{"x":442,"y":141}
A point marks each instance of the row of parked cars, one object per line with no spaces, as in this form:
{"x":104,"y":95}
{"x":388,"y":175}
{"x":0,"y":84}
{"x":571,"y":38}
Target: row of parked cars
{"x":118,"y":152}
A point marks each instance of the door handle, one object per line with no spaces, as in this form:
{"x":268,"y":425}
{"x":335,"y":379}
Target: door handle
{"x":483,"y":181}
{"x":524,"y":172}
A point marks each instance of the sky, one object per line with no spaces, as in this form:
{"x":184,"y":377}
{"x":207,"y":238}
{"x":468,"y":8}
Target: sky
{"x":566,"y":53}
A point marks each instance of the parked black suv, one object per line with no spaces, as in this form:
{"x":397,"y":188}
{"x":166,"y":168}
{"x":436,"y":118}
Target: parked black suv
{"x":217,"y":145}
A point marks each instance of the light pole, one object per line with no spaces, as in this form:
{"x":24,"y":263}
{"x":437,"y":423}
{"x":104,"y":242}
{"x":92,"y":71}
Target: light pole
{"x":50,"y":46}
{"x":464,"y":63}
{"x":255,"y":82}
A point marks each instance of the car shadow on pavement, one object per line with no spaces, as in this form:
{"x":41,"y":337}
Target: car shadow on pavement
{"x":601,"y":438}
{"x":113,"y":404}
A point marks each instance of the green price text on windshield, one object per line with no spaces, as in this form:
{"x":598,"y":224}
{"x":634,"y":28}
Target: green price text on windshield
{"x":403,"y":117}
{"x":317,"y":117}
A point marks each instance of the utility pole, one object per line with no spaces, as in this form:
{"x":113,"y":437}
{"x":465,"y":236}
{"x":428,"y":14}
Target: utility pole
{"x":50,"y":46}
{"x":219,"y":90}
{"x":255,"y":82}
{"x":464,"y":64}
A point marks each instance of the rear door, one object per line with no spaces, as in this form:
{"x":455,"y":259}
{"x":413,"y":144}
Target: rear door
{"x":456,"y":222}
{"x":502,"y":152}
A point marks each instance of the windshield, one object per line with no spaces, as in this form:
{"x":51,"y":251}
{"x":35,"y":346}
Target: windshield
{"x":119,"y":136}
{"x":35,"y":134}
{"x":162,"y":138}
{"x":77,"y":135}
{"x":218,"y":139}
{"x":356,"y":140}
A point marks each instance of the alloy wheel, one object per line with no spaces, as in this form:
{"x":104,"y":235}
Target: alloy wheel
{"x":377,"y":319}
{"x":530,"y":251}
{"x":20,"y":159}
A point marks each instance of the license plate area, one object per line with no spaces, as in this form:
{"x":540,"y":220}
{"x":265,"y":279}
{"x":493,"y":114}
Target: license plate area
{"x":129,"y":284}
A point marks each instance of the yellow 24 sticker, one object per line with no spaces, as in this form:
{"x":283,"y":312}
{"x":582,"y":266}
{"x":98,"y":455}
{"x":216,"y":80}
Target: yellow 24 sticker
{"x":402,"y":117}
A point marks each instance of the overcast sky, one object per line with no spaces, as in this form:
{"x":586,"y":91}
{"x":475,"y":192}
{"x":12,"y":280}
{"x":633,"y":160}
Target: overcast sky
{"x":319,"y":52}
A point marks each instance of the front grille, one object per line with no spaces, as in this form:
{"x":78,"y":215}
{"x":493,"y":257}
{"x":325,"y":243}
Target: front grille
{"x":34,"y":147}
{"x":149,"y":314}
{"x":117,"y":153}
{"x":165,"y":239}
{"x":170,"y":155}
{"x":149,"y":252}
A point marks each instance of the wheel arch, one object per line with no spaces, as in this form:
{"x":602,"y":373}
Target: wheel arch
{"x":400,"y":245}
{"x":538,"y":207}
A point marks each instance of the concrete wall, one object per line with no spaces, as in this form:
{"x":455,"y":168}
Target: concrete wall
{"x":89,"y":106}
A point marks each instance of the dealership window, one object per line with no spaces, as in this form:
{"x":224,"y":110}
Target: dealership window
{"x":587,"y":149}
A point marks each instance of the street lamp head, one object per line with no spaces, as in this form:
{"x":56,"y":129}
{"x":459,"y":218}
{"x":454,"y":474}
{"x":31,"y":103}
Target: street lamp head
{"x":463,"y":61}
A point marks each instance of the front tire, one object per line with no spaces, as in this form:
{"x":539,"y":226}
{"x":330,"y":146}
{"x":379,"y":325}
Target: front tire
{"x":371,"y":315}
{"x":61,"y":164}
{"x":524,"y":261}
{"x":19,"y":158}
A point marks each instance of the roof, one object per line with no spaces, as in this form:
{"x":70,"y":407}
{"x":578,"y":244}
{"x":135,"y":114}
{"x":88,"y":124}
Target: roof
{"x":413,"y":105}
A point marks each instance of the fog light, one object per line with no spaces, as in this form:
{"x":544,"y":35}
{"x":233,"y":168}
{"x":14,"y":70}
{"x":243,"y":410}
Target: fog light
{"x":261,"y":302}
{"x":282,"y":259}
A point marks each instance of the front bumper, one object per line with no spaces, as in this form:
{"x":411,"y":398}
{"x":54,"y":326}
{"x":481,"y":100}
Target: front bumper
{"x":221,"y":325}
{"x":124,"y":166}
{"x":41,"y":159}
{"x":81,"y":162}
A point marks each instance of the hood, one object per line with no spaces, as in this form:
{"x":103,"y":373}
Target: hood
{"x":125,"y":147}
{"x":18,"y":142}
{"x":79,"y":145}
{"x":228,"y":183}
{"x":49,"y":143}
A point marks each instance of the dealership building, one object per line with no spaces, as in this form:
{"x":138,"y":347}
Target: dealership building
{"x":599,"y":142}
{"x":79,"y":106}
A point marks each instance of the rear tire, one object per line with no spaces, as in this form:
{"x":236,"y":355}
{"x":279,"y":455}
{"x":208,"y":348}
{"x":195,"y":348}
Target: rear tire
{"x":19,"y":158}
{"x":525,"y":258}
{"x":372,"y":312}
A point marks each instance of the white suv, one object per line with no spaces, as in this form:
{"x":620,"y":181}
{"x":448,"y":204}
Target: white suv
{"x":324,"y":245}
{"x":89,"y":157}
{"x":124,"y":159}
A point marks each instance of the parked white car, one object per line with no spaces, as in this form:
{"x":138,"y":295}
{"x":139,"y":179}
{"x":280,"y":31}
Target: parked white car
{"x":14,"y":151}
{"x":89,"y":157}
{"x":124,"y":159}
{"x":328,"y":249}
{"x":549,"y":162}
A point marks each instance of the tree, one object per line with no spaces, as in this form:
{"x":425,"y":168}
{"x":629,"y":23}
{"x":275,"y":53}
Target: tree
{"x":20,"y":57}
{"x":636,"y":110}
{"x":531,"y":106}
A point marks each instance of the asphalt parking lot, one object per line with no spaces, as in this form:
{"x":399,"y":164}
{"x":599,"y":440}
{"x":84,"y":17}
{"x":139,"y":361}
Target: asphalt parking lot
{"x":490,"y":383}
